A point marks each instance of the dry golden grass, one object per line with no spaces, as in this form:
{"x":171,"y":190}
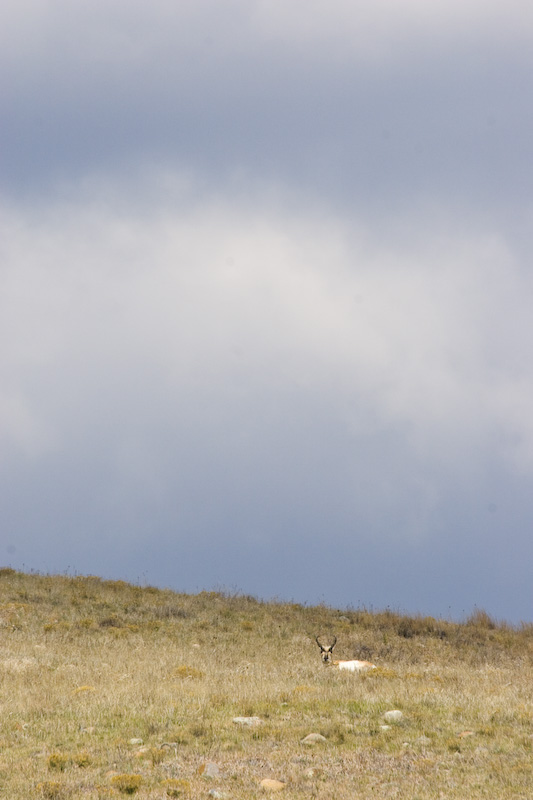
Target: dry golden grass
{"x":109,"y":690}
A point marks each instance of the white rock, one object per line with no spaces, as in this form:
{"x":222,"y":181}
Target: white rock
{"x":250,"y":722}
{"x":210,"y":770}
{"x":393,"y":716}
{"x":313,"y":738}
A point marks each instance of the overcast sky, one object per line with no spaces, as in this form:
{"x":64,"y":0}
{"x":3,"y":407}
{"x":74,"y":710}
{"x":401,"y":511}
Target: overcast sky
{"x":266,"y":298}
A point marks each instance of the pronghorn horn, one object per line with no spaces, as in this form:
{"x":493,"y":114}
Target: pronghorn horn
{"x":326,"y":646}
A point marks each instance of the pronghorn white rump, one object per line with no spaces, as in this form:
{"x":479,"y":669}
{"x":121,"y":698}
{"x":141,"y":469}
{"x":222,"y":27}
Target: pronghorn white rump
{"x":326,"y":652}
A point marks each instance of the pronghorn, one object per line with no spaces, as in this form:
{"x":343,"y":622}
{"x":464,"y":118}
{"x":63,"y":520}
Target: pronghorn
{"x":353,"y":666}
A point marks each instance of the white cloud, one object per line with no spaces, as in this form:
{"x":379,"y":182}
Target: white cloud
{"x":200,"y":385}
{"x":386,"y":23}
{"x":192,"y":37}
{"x":209,"y":353}
{"x":227,"y":306}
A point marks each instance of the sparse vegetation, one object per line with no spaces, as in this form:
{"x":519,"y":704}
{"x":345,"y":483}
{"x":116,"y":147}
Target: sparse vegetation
{"x":109,"y":689}
{"x":127,"y":784}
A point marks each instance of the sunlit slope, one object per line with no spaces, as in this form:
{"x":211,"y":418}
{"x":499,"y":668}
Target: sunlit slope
{"x":109,"y":689}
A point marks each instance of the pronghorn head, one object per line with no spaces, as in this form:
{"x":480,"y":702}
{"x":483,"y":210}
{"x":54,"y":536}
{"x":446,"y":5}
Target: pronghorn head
{"x":326,"y":650}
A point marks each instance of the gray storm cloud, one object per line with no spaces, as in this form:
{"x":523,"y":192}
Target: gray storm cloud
{"x":265,"y":298}
{"x":254,"y":377}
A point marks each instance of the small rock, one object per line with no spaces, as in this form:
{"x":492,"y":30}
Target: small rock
{"x":209,"y":770}
{"x":271,"y":785}
{"x":250,"y":722}
{"x":313,"y":738}
{"x":393,"y":716}
{"x":218,"y":795}
{"x":385,"y":727}
{"x":136,"y":741}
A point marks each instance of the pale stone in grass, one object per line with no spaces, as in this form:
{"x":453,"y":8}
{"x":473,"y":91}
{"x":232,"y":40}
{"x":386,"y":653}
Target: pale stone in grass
{"x":136,"y":741}
{"x":313,"y":738}
{"x":209,"y":770}
{"x":272,"y":785}
{"x":218,"y":795}
{"x":393,"y":716}
{"x":250,"y":722}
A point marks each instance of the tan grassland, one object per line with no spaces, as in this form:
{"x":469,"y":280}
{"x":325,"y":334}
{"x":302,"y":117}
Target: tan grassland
{"x":109,"y":689}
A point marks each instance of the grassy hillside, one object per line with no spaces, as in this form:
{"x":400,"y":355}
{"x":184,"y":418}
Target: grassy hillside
{"x":108,"y":689}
